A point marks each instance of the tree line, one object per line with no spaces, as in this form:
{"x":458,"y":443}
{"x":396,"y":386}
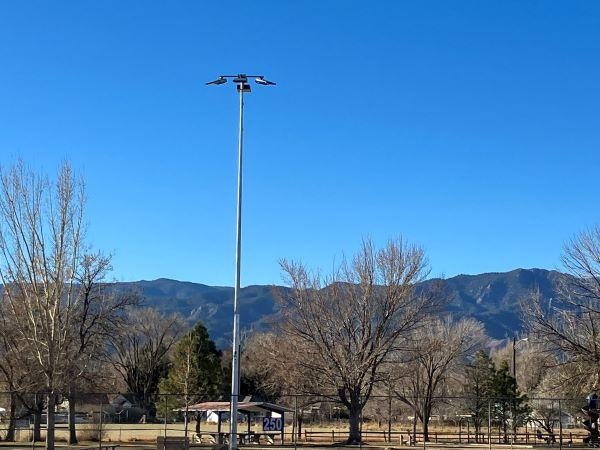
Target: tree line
{"x":349,"y":336}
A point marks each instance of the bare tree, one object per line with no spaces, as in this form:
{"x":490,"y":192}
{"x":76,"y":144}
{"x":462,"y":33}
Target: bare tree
{"x":139,"y":352}
{"x":273,"y":369}
{"x":100,"y":314}
{"x":41,"y":247}
{"x":347,"y":324}
{"x":439,"y":350}
{"x":569,"y":326}
{"x":546,"y":412}
{"x":54,"y":296}
{"x":264,"y":366}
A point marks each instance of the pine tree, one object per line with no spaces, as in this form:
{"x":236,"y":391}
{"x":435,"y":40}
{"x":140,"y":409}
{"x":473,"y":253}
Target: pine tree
{"x":508,"y":406}
{"x":195,"y":374}
{"x":478,"y":389}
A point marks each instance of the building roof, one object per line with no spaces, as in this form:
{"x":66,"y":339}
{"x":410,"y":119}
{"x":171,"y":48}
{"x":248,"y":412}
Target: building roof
{"x":245,"y":407}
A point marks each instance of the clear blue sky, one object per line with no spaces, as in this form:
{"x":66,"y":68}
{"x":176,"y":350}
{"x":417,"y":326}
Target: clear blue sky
{"x":469,"y":127}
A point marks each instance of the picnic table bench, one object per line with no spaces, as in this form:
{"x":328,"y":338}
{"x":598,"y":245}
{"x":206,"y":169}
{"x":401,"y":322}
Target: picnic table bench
{"x":256,"y":437}
{"x":102,"y":447}
{"x":172,"y":443}
{"x":203,"y":438}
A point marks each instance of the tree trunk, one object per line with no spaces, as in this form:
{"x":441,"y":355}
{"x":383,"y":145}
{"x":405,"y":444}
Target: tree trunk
{"x":10,"y":432}
{"x":186,"y":419}
{"x":50,"y":422}
{"x":414,"y":430}
{"x":37,"y":423}
{"x":426,"y":428}
{"x":72,"y":439}
{"x":300,"y":417}
{"x":477,"y":426}
{"x":425,"y":419}
{"x":198,"y":418}
{"x":354,"y":436}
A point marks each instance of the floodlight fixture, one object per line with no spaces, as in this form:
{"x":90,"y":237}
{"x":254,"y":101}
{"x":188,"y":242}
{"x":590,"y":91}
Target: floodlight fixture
{"x":261,"y":80}
{"x":241,"y":80}
{"x":219,"y":80}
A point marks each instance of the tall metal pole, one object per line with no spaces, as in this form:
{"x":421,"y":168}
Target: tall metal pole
{"x":514,"y":357}
{"x":235,"y":365}
{"x":241,"y":81}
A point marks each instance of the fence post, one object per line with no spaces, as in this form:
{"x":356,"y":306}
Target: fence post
{"x":361,"y":422}
{"x":514,"y":423}
{"x":295,"y":421}
{"x":468,"y":432}
{"x":33,"y":423}
{"x":424,"y":437}
{"x":560,"y":430}
{"x":100,"y":428}
{"x":389,"y":412}
{"x":490,"y":424}
{"x":166,"y":409}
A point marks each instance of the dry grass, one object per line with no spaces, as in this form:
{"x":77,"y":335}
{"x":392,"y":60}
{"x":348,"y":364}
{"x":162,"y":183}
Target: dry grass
{"x":322,"y":432}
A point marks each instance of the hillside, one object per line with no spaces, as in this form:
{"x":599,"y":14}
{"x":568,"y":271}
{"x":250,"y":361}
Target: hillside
{"x":492,"y":298}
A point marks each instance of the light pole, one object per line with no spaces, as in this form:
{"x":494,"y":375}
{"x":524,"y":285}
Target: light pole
{"x":241,"y":81}
{"x":514,"y":355}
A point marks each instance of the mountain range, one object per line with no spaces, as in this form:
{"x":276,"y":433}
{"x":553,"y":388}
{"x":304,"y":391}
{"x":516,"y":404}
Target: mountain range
{"x":492,"y":298}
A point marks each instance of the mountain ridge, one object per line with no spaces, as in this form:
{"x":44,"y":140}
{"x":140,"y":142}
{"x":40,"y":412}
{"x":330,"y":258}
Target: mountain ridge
{"x":491,"y":297}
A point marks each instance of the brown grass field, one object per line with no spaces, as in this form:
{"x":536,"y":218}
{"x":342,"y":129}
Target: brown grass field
{"x":325,"y":433}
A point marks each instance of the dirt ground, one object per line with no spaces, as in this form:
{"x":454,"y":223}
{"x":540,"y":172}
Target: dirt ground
{"x":312,"y":435}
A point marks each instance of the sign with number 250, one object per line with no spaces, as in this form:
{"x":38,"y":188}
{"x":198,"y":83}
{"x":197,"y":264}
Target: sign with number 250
{"x":272,"y":424}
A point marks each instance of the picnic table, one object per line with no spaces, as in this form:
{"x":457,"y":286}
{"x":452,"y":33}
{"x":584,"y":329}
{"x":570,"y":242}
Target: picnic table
{"x":172,"y":443}
{"x":243,"y":438}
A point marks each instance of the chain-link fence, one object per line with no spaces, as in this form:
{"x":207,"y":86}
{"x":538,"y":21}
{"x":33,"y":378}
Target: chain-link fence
{"x":296,"y":419}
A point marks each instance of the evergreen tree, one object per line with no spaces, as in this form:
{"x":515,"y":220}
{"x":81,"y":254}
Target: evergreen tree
{"x":195,"y":374}
{"x":478,"y":389}
{"x":508,"y":406}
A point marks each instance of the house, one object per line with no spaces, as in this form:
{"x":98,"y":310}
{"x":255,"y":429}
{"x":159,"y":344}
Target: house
{"x":123,"y":401}
{"x":124,"y":408}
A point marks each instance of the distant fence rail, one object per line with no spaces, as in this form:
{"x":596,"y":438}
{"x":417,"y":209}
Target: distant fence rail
{"x":125,"y":417}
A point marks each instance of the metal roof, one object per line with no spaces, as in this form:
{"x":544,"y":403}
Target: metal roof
{"x":246,"y":407}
